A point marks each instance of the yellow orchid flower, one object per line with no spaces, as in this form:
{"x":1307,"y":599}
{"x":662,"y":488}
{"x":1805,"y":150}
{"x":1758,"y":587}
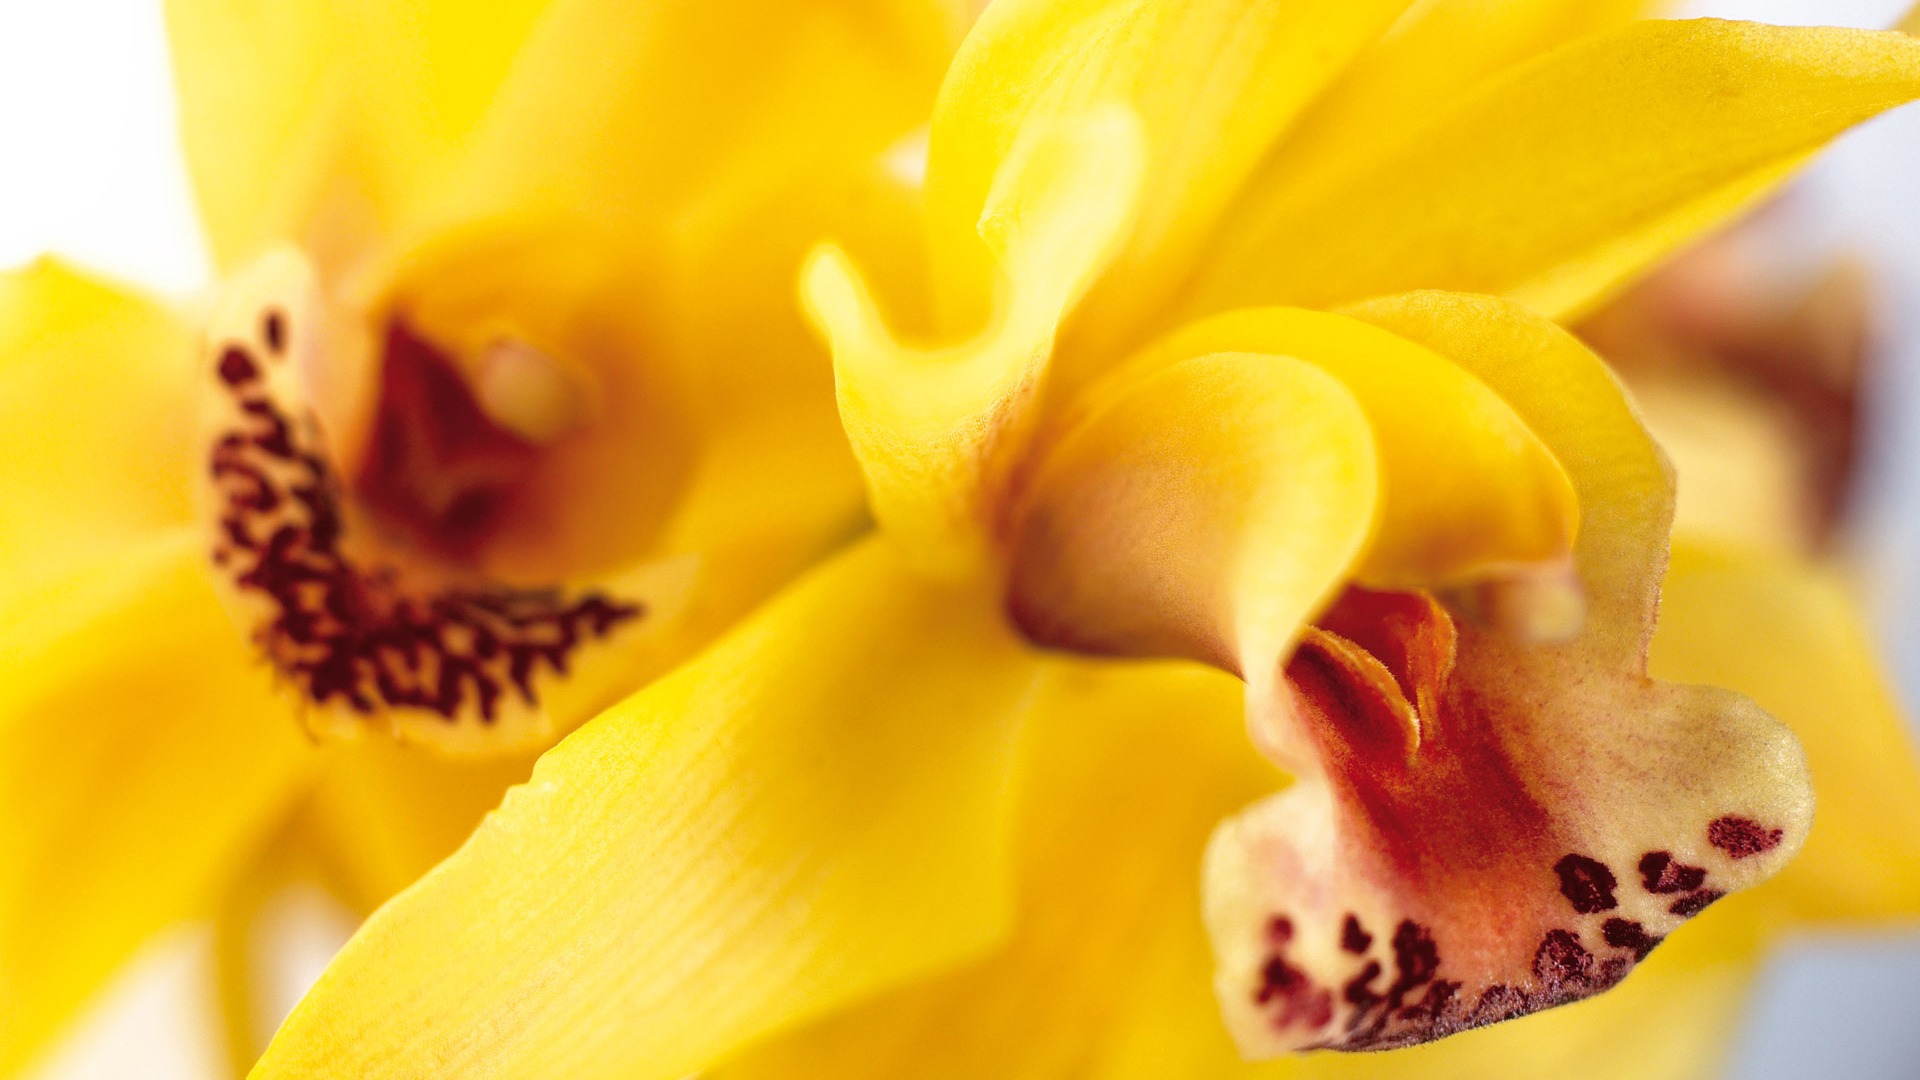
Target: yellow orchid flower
{"x":1426,"y":532}
{"x":503,"y":406}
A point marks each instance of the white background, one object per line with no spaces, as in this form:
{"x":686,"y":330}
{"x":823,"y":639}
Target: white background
{"x":89,"y":168}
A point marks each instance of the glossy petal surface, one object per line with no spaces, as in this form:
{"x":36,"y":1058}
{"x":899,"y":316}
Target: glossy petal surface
{"x":766,"y":833}
{"x":1564,"y":176}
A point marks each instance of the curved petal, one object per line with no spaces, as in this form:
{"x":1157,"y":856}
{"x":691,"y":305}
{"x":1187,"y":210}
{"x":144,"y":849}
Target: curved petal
{"x":379,"y":816}
{"x":1204,"y":509}
{"x":1565,"y":176}
{"x":1438,"y":53}
{"x":697,"y":106}
{"x":329,"y":120}
{"x":1786,"y":633}
{"x":811,"y":811}
{"x":96,"y":422}
{"x":1466,"y":488}
{"x":1484,"y":827}
{"x":1213,"y":83}
{"x":1106,"y":976}
{"x":1127,"y":768}
{"x":141,"y":752}
{"x":937,"y":430}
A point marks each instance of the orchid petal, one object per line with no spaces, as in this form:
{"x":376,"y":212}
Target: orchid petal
{"x":1466,"y":488}
{"x":1483,"y":827}
{"x":1206,"y":509}
{"x":1788,"y":635}
{"x":1153,"y":753}
{"x":1560,"y":179}
{"x":767,"y":833}
{"x":937,"y":430}
{"x":326,"y":120}
{"x":136,"y":769}
{"x":1214,"y":83}
{"x":96,"y":447}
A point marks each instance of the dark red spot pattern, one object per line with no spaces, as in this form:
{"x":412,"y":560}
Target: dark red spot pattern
{"x":1661,"y":873}
{"x":353,"y":635}
{"x":1742,"y":837}
{"x":1586,"y":883}
{"x":1354,"y":938}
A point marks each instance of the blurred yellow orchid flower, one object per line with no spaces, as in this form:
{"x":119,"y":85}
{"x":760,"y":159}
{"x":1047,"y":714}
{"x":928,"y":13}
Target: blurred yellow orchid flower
{"x":505,"y":406}
{"x":1427,"y":533}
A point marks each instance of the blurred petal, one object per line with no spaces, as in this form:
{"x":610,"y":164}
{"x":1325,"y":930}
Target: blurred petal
{"x":1483,"y":827}
{"x":1466,"y":488}
{"x":97,"y":444}
{"x":1560,"y":179}
{"x":142,"y":750}
{"x":1127,"y":768}
{"x":813,"y":810}
{"x":325,"y":120}
{"x":936,"y":430}
{"x":1213,"y":83}
{"x":1204,"y":509}
{"x":380,"y":815}
{"x":696,"y":107}
{"x":1441,"y":50}
{"x":1785,"y":633}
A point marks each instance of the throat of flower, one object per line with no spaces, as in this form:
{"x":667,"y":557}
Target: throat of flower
{"x":358,"y":576}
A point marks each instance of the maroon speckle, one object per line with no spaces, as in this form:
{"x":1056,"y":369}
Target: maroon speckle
{"x":1561,"y":961}
{"x":1662,"y":874}
{"x":273,"y":329}
{"x":1627,"y":934}
{"x":1280,"y":930}
{"x":1742,"y":837}
{"x":1300,"y":1001}
{"x":1353,"y":937}
{"x":236,"y":367}
{"x":1587,"y":884}
{"x":354,"y":635}
{"x":1693,"y":904}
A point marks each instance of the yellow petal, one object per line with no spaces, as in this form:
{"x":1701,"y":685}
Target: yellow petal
{"x":96,"y":422}
{"x":141,"y":752}
{"x":1439,"y":51}
{"x":1203,"y":509}
{"x":670,"y":112}
{"x":1482,"y":827}
{"x":938,"y":429}
{"x":1107,"y":974}
{"x":1785,"y":633}
{"x":1127,"y":768}
{"x":1466,"y":488}
{"x":1555,"y":182}
{"x":325,"y":121}
{"x":813,"y":810}
{"x":1213,"y":84}
{"x":379,"y":815}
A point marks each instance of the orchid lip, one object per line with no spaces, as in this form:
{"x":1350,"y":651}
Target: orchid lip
{"x":361,"y":590}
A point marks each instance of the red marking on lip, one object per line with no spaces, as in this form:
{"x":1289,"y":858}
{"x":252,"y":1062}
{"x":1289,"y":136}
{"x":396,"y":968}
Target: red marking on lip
{"x":1353,"y":937}
{"x":356,"y":635}
{"x":1694,"y":903}
{"x":1586,"y":883}
{"x":1742,"y":837}
{"x":1627,"y":934}
{"x":1661,"y":873}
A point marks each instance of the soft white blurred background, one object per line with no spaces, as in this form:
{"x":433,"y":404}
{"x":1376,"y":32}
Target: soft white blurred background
{"x":89,"y":169}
